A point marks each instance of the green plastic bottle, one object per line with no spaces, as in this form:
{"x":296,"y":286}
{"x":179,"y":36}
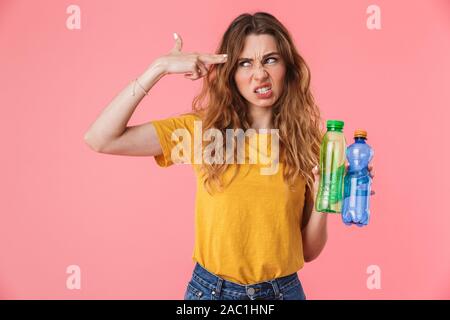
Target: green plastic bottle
{"x":332,"y":169}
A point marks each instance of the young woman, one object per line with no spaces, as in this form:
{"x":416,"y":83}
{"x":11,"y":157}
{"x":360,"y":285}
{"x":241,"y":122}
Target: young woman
{"x":253,"y":231}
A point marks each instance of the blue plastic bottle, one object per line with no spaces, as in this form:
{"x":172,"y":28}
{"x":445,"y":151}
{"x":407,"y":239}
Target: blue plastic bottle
{"x":357,"y":182}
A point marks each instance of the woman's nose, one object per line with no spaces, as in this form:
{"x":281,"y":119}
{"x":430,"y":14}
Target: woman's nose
{"x":260,"y":72}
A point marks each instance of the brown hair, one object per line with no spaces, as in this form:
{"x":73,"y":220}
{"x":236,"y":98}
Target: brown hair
{"x":220,"y":104}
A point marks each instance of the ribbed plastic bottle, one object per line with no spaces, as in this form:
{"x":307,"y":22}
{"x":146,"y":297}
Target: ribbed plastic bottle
{"x":357,"y":182}
{"x":332,"y":168}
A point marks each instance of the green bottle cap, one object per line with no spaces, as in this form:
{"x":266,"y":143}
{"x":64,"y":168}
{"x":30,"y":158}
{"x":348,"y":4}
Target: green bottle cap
{"x":338,"y":124}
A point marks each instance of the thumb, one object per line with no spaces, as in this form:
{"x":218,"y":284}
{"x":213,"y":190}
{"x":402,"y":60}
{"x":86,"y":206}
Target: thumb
{"x":315,"y":170}
{"x":178,"y":43}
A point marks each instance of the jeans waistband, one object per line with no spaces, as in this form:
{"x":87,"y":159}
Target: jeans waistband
{"x":216,"y":283}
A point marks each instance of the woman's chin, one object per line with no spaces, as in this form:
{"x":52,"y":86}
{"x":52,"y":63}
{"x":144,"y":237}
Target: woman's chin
{"x":266,"y":103}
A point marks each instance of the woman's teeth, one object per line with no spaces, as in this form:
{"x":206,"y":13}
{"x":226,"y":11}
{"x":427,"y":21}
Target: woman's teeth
{"x":263,"y":90}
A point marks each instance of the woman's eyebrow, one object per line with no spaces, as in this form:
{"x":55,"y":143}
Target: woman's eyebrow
{"x":266,"y":55}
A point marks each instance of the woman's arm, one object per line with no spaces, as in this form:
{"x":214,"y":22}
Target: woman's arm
{"x":112,"y":122}
{"x":110,"y":134}
{"x":314,"y":224}
{"x":314,"y":228}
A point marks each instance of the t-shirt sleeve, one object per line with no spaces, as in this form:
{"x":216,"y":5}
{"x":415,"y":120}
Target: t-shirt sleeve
{"x":165,"y":130}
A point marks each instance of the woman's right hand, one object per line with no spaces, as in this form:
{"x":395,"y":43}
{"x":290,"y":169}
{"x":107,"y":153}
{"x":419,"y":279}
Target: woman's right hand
{"x":193,"y":65}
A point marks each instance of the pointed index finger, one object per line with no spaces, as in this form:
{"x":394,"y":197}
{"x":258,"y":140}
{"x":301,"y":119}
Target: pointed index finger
{"x":213,"y":58}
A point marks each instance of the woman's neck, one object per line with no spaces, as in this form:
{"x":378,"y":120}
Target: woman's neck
{"x":260,"y":118}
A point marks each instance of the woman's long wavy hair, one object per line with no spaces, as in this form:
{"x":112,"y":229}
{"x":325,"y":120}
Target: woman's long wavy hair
{"x":220,"y":104}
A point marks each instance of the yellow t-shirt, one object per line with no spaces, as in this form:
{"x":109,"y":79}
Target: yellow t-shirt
{"x":250,"y":232}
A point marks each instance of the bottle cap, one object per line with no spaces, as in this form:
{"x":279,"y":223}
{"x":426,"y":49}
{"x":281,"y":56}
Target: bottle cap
{"x":338,"y":124}
{"x":360,"y":133}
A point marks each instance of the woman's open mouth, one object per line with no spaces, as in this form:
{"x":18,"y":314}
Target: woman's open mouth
{"x":264,"y":93}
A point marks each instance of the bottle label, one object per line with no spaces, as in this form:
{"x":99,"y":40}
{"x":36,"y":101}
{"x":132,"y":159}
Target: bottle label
{"x":336,"y":179}
{"x":358,"y":186}
{"x":332,"y":185}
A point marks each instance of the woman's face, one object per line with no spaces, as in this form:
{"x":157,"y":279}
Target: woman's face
{"x":260,"y":64}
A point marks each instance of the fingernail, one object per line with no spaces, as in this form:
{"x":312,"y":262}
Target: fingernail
{"x":175,"y":36}
{"x":225,"y":55}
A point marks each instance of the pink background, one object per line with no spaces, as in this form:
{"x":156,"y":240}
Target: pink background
{"x":129,"y":224}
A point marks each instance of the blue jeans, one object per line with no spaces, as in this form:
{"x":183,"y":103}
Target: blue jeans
{"x":205,"y":285}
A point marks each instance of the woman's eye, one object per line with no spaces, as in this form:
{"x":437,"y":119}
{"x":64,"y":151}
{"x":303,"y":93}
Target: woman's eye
{"x":242,"y":63}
